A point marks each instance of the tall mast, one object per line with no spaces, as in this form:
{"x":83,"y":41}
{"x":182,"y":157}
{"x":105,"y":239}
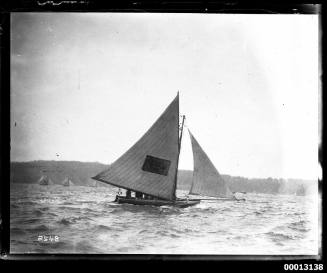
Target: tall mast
{"x":179,"y":149}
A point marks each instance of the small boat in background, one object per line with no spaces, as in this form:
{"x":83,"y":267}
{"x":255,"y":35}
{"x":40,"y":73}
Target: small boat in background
{"x":45,"y":180}
{"x":300,"y":191}
{"x":67,"y":182}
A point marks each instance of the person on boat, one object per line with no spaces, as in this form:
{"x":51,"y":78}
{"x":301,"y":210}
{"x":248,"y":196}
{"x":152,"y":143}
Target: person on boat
{"x":138,"y":195}
{"x":128,"y":194}
{"x":147,"y":197}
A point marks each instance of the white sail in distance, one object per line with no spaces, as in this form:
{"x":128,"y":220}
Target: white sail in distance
{"x":150,"y":165}
{"x":67,"y":182}
{"x":206,"y":179}
{"x":45,"y":180}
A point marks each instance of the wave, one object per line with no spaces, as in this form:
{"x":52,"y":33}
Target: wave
{"x":106,"y":228}
{"x":85,"y":247}
{"x":142,"y":231}
{"x":24,"y":203}
{"x":169,"y":210}
{"x":209,"y":210}
{"x":65,"y":222}
{"x":72,"y":220}
{"x":17,"y":231}
{"x":87,"y":202}
{"x":40,"y":228}
{"x":276,"y":236}
{"x":260,"y":212}
{"x":56,"y":245}
{"x":69,"y":208}
{"x":169,"y":233}
{"x":299,"y":226}
{"x":29,"y":221}
{"x":68,"y":203}
{"x":38,"y":212}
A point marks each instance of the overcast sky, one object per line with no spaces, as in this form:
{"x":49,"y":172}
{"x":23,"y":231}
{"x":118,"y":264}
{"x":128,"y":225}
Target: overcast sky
{"x":86,"y":86}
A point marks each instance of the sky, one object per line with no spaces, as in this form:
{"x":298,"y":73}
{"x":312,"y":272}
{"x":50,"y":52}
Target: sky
{"x":87,"y":86}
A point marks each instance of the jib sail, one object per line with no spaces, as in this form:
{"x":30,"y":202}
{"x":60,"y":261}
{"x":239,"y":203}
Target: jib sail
{"x":206,"y":179}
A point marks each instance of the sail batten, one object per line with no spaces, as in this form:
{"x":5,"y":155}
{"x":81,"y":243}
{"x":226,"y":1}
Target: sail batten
{"x":149,"y":166}
{"x":206,"y":179}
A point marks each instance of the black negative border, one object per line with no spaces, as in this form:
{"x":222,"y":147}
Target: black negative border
{"x":253,"y":262}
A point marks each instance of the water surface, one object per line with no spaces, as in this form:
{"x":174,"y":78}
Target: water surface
{"x":87,"y":221}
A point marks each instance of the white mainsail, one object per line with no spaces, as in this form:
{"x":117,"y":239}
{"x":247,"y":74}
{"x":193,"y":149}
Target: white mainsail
{"x":45,"y":180}
{"x":67,"y":182}
{"x":150,"y":165}
{"x":206,"y":179}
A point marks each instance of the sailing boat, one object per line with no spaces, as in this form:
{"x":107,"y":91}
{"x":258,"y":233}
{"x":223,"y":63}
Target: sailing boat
{"x":300,"y":191}
{"x":67,"y":182}
{"x":206,"y":179}
{"x":150,"y":166}
{"x":45,"y":180}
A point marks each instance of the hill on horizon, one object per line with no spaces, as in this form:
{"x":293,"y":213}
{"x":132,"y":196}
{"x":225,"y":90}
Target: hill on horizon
{"x":81,"y":172}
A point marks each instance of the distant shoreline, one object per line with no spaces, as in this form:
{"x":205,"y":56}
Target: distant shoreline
{"x":29,"y":172}
{"x":105,"y":164}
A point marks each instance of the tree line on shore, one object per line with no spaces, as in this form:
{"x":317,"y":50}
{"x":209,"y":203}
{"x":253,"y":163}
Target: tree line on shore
{"x":81,"y":173}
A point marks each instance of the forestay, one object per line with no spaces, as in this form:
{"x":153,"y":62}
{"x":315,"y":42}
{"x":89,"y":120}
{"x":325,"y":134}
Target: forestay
{"x":206,"y":179}
{"x":150,"y":165}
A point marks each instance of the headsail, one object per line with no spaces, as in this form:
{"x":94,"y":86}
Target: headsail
{"x":206,"y":179}
{"x":67,"y":182}
{"x":45,"y":180}
{"x":150,"y":165}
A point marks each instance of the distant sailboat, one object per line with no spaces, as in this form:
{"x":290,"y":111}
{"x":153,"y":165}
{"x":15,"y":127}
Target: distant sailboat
{"x":45,"y":180}
{"x":150,"y":166}
{"x":206,"y":179}
{"x":300,"y":191}
{"x":67,"y":182}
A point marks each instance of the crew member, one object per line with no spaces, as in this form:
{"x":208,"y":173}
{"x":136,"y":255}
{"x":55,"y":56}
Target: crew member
{"x":128,"y":194}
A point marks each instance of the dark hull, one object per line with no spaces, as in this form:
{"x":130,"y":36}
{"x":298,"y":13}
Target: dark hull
{"x":181,"y":203}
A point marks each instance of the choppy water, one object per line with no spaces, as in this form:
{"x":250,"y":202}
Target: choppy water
{"x":86,"y":221}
